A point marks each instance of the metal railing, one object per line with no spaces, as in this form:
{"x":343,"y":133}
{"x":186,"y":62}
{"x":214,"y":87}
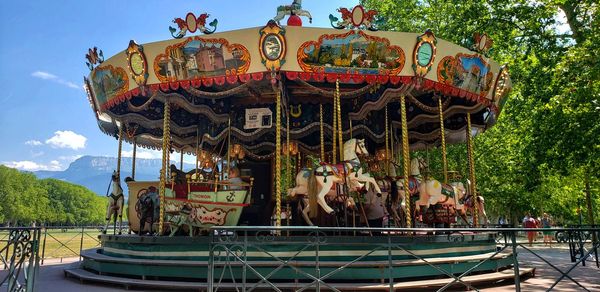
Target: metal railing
{"x":232,"y":250}
{"x":58,"y":243}
{"x":20,"y":257}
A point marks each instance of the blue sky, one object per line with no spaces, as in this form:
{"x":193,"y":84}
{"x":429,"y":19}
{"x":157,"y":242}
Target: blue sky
{"x":46,"y":120}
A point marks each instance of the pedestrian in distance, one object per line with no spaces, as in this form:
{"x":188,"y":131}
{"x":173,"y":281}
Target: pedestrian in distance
{"x":530,"y":222}
{"x":547,"y":223}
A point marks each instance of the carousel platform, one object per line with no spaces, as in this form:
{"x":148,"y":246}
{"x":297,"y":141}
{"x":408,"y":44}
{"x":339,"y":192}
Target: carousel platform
{"x":352,"y":262}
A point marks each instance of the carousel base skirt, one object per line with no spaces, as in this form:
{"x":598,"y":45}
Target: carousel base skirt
{"x":147,"y":261}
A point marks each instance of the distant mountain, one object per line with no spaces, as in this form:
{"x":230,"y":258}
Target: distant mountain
{"x":94,"y":172}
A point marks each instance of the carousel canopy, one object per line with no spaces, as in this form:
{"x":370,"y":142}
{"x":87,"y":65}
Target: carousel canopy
{"x":209,"y":80}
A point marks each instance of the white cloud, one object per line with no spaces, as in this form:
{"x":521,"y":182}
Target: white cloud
{"x":67,"y":139}
{"x":49,"y":76}
{"x":33,"y":166}
{"x":33,"y":143}
{"x":44,"y":75}
{"x":37,"y":154}
{"x":143,"y":154}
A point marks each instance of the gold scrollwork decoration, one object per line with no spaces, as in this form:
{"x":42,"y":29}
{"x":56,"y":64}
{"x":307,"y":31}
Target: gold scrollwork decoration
{"x":137,"y":63}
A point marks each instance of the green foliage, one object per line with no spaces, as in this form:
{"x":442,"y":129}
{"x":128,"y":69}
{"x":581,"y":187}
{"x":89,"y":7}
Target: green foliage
{"x":25,"y":199}
{"x":546,"y":143}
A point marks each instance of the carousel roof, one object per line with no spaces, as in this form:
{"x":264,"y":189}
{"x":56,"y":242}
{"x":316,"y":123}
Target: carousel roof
{"x":210,"y":79}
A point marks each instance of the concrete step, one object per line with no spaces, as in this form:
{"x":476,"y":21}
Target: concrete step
{"x":487,"y":278}
{"x":96,"y":255}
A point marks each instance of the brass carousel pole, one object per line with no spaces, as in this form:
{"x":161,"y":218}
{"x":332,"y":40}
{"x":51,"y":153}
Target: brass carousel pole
{"x":473,"y":187}
{"x":322,"y":133}
{"x":387,"y":152}
{"x":197,"y":150}
{"x":181,"y":160}
{"x":133,"y":158}
{"x":119,"y":151}
{"x":406,"y":160}
{"x":443,"y":138}
{"x":334,"y":130}
{"x":288,"y":161}
{"x":228,"y":145}
{"x":165,"y":161}
{"x":350,"y":120}
{"x":339,"y":119}
{"x":278,"y":158}
{"x":288,"y":168}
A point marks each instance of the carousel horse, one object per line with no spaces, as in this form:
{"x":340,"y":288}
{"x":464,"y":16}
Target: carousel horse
{"x":349,"y":172}
{"x":300,"y":191}
{"x":478,"y":202}
{"x":432,"y":192}
{"x":115,"y":203}
{"x":148,"y":208}
{"x":294,"y":9}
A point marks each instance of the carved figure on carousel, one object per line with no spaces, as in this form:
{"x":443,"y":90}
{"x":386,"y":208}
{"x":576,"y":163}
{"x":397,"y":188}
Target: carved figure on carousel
{"x":432,"y":192}
{"x":148,"y":206}
{"x":293,"y":9}
{"x":471,"y":202}
{"x":349,"y":172}
{"x":115,"y":203}
{"x":192,"y":24}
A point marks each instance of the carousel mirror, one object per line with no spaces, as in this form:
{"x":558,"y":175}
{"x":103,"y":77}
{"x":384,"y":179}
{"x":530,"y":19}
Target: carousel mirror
{"x":358,"y":14}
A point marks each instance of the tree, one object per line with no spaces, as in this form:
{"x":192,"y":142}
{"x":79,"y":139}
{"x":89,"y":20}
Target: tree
{"x":24,"y":199}
{"x":546,"y":142}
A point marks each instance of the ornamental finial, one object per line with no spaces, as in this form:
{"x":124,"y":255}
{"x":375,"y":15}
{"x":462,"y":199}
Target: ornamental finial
{"x":358,"y":18}
{"x":94,"y":56}
{"x":192,"y":24}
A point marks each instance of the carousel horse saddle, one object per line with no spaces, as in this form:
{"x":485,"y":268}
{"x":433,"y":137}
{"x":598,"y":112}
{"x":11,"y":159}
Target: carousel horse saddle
{"x":413,"y":184}
{"x":116,"y":197}
{"x":447,"y":190}
{"x":338,"y":170}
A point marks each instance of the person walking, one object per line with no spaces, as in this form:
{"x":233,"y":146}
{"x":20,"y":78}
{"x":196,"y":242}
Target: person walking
{"x":530,"y":222}
{"x":547,"y":223}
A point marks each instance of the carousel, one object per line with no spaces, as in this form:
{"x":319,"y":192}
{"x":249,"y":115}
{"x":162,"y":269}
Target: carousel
{"x":294,"y":126}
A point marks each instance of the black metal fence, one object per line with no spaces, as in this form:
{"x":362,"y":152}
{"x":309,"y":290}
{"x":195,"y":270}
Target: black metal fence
{"x":20,"y":257}
{"x":232,"y":248}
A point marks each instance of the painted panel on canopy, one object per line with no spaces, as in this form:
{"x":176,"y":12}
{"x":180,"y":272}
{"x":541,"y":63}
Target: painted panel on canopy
{"x":108,"y":82}
{"x":198,"y":57}
{"x":353,"y":52}
{"x":468,"y":72}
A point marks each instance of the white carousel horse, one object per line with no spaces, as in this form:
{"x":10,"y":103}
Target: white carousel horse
{"x":478,"y":203}
{"x":350,"y":171}
{"x":433,"y":192}
{"x":293,"y":9}
{"x":115,"y":204}
{"x":301,"y":191}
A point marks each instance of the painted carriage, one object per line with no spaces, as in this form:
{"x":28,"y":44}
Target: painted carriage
{"x":275,"y":100}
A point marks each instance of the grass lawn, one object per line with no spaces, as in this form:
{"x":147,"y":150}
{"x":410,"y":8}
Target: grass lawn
{"x":62,"y":243}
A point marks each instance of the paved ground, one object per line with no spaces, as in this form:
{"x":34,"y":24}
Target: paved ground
{"x":545,"y":275}
{"x":51,"y":277}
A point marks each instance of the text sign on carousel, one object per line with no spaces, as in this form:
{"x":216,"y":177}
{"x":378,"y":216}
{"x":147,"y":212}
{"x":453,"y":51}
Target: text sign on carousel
{"x":258,"y":118}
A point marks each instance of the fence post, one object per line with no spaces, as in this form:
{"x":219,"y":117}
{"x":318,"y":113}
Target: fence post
{"x":81,"y":243}
{"x":390,"y":262}
{"x":211,"y":264}
{"x":32,"y":267}
{"x":516,"y":261}
{"x":317,"y":269}
{"x":44,"y":244}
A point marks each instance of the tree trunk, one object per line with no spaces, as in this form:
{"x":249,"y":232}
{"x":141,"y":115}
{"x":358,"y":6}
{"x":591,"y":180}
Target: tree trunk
{"x":575,"y":25}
